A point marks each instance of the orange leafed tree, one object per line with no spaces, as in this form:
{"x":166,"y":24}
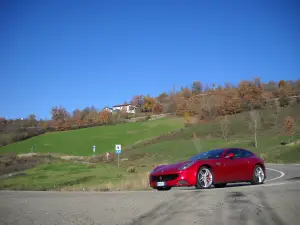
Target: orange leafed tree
{"x":230,"y":105}
{"x":60,"y":116}
{"x":148,"y":103}
{"x":289,"y":125}
{"x":251,"y":92}
{"x":104,"y":117}
{"x":186,"y":92}
{"x":157,"y":108}
{"x":77,"y":117}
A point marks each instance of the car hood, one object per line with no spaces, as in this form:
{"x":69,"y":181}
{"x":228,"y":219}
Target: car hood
{"x":169,"y":168}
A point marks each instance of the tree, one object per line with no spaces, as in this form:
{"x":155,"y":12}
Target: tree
{"x":32,"y":120}
{"x":289,"y":125}
{"x":3,"y":123}
{"x":59,"y":116}
{"x":187,"y":118}
{"x":31,"y":117}
{"x":138,"y":101}
{"x":285,"y":89}
{"x":185,"y":92}
{"x":148,"y":103}
{"x":181,"y":107}
{"x":92,"y":117}
{"x":197,"y":87}
{"x":163,"y":97}
{"x":224,"y":122}
{"x":105,"y":117}
{"x":77,"y":117}
{"x":251,"y":93}
{"x":230,"y":105}
{"x":253,"y":124}
{"x":157,"y":108}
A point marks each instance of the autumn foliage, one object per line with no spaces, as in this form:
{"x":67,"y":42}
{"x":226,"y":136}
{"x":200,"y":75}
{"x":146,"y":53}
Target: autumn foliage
{"x":105,"y":117}
{"x":288,"y":125}
{"x":204,"y":102}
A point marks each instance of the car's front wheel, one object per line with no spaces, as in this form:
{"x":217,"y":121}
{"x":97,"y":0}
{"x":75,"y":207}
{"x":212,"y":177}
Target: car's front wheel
{"x":163,"y":188}
{"x":258,"y":176}
{"x":204,"y":178}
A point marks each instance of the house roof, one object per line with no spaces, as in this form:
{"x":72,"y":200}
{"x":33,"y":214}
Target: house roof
{"x":121,"y":105}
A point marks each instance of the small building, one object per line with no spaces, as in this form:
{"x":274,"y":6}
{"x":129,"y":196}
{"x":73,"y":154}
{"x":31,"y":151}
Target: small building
{"x":108,"y":109}
{"x":127,"y":107}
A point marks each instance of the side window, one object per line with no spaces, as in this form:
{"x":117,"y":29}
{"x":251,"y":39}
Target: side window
{"x":229,"y":151}
{"x":237,"y":153}
{"x":246,"y":154}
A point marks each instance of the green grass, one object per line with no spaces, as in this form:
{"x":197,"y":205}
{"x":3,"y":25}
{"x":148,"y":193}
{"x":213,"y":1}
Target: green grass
{"x":61,"y":174}
{"x":182,"y":145}
{"x":80,"y":142}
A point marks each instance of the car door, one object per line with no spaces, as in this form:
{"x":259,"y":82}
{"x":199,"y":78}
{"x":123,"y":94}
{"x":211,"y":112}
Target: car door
{"x":245,"y":166}
{"x":233,"y":166}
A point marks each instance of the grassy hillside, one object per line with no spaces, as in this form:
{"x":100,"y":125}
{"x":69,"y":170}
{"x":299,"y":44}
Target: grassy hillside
{"x":80,"y":142}
{"x":136,"y":163}
{"x":270,"y":134}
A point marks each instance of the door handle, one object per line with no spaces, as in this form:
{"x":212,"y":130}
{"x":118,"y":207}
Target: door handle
{"x":217,"y":163}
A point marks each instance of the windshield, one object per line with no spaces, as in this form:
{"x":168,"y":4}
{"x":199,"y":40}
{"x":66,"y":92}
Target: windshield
{"x":212,"y":154}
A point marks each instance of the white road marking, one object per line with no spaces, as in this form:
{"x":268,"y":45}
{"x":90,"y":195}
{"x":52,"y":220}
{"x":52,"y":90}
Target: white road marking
{"x":281,"y":164}
{"x":282,"y":174}
{"x":277,"y":184}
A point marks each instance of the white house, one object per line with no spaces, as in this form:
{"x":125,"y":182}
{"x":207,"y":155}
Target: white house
{"x":128,"y":108}
{"x":108,"y":109}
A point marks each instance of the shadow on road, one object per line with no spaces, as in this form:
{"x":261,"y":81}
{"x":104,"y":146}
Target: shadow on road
{"x":227,"y":186}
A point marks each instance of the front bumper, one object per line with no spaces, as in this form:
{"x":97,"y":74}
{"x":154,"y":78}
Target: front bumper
{"x":180,"y":179}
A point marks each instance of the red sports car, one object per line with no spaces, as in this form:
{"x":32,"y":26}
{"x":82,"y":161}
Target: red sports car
{"x":215,"y":167}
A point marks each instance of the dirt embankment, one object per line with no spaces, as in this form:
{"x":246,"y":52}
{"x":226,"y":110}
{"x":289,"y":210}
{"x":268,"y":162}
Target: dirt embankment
{"x":11,"y":162}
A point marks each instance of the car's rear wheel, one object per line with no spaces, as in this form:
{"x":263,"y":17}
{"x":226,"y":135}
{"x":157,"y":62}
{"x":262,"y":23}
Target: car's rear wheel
{"x":163,"y":188}
{"x":258,"y":176}
{"x":204,"y":178}
{"x":220,"y":185}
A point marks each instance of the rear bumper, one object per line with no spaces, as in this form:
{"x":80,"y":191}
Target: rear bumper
{"x":180,"y":179}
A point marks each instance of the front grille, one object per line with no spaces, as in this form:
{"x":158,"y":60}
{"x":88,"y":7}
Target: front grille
{"x":164,"y":177}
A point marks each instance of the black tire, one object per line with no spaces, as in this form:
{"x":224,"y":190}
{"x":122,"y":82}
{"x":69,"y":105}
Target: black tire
{"x":199,"y":185}
{"x":163,"y":188}
{"x":255,"y":180}
{"x":220,"y":185}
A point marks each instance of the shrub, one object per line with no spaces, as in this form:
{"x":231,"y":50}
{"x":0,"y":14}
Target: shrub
{"x":132,"y":169}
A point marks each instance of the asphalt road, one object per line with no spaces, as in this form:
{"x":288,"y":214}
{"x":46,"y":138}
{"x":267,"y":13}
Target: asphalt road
{"x":277,"y":202}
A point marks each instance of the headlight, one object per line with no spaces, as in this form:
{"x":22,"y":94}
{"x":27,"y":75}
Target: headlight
{"x":187,"y":165}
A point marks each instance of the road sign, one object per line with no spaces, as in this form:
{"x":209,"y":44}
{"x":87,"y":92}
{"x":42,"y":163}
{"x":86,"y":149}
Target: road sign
{"x":118,"y":149}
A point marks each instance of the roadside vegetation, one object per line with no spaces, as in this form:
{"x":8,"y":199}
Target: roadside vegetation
{"x":204,"y":119}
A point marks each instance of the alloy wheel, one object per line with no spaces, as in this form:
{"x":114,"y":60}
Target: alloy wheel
{"x":204,"y":178}
{"x":259,"y":175}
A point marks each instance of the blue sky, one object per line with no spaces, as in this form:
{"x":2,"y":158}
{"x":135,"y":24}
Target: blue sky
{"x":82,"y":53}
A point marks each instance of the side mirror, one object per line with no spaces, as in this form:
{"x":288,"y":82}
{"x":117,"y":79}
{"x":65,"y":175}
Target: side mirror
{"x":229,"y":156}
